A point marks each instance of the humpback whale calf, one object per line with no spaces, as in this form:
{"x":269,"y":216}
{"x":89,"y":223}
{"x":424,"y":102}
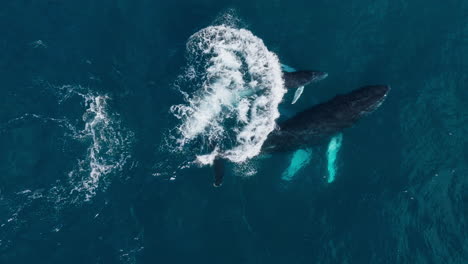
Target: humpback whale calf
{"x":298,"y":79}
{"x":319,"y":123}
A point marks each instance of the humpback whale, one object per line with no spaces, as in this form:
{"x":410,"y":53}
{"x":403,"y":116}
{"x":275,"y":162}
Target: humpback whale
{"x":296,"y":79}
{"x":319,"y":123}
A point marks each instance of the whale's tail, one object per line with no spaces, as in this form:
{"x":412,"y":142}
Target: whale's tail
{"x":218,"y":166}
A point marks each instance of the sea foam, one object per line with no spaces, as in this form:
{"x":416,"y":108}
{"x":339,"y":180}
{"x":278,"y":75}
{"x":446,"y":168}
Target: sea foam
{"x":233,"y":86}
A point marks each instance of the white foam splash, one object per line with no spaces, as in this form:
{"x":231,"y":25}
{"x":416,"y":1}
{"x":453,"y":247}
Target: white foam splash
{"x":238,"y":87}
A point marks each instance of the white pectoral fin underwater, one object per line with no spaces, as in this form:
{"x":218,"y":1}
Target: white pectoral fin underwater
{"x":297,"y":94}
{"x":299,"y":160}
{"x":332,"y":153}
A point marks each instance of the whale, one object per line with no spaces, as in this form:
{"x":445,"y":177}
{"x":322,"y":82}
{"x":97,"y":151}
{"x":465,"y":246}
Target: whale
{"x":319,"y":123}
{"x":294,"y":79}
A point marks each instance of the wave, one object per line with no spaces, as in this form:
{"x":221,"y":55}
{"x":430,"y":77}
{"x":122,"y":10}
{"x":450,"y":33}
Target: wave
{"x":232,"y":87}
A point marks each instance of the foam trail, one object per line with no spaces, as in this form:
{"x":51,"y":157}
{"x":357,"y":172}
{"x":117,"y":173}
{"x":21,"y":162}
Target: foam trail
{"x":107,"y":151}
{"x":332,"y":152}
{"x":237,"y":85}
{"x":107,"y":142}
{"x":299,"y":159}
{"x":63,"y":122}
{"x":108,"y":148}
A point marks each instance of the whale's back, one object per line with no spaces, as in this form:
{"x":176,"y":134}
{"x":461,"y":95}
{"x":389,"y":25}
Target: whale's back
{"x":318,"y":123}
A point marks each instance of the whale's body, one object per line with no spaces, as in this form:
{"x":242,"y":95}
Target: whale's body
{"x":319,"y":123}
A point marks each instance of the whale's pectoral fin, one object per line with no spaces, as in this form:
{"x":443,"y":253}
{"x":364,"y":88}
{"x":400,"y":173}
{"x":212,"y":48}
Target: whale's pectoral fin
{"x":332,"y":152}
{"x":299,"y":160}
{"x":287,"y":68}
{"x":297,"y":94}
{"x":218,"y":166}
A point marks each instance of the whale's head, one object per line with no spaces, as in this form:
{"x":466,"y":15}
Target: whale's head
{"x":316,"y":76}
{"x":366,"y":99}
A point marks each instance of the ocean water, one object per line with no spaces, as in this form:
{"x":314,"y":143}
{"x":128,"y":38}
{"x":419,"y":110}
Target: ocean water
{"x":107,"y":124}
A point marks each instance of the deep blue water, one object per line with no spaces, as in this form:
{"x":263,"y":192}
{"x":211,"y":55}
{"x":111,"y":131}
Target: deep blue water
{"x":85,"y":92}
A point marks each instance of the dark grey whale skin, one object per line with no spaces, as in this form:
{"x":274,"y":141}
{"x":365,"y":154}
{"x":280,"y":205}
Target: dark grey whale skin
{"x":297,"y":79}
{"x":317,"y":124}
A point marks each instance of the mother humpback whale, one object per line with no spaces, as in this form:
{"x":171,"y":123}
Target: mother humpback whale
{"x":319,"y":123}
